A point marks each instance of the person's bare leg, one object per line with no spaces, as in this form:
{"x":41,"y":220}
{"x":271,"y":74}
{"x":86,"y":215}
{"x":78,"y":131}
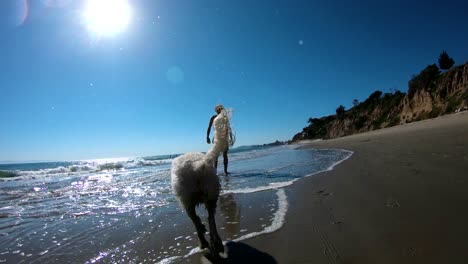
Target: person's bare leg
{"x":225,"y":158}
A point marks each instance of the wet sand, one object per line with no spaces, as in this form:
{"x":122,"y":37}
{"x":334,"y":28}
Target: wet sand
{"x":401,"y":198}
{"x":238,"y":216}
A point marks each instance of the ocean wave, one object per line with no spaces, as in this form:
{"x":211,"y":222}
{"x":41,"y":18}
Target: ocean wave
{"x":162,"y":157}
{"x":7,"y":174}
{"x":145,"y":162}
{"x":75,"y":169}
{"x":82,"y":167}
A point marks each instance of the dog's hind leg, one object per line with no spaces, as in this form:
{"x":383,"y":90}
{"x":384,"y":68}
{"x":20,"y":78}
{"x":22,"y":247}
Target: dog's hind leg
{"x":216,"y":245}
{"x":201,"y":229}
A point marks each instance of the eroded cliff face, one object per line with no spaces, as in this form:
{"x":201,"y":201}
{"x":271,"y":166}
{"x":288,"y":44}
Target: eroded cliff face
{"x":448,"y":96}
{"x":455,"y":81}
{"x":340,"y":128}
{"x":412,"y":108}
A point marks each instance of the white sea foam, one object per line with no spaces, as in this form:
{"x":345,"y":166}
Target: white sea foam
{"x":350,"y":153}
{"x":58,"y":170}
{"x":168,"y":260}
{"x":270,"y":186}
{"x":278,"y":220}
{"x":143,"y":162}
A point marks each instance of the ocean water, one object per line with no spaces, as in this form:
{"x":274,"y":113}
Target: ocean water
{"x":123,"y":210}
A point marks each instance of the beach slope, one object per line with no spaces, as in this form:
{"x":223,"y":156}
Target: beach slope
{"x":401,"y":198}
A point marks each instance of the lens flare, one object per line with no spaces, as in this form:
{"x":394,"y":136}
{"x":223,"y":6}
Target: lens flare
{"x":21,"y":12}
{"x":175,"y":75}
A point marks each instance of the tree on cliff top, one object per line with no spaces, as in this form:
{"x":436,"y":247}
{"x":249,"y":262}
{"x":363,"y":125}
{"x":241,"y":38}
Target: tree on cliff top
{"x":445,"y":61}
{"x":355,"y":102}
{"x":340,"y":111}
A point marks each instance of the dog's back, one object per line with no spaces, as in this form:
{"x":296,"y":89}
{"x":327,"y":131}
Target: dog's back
{"x":194,"y":179}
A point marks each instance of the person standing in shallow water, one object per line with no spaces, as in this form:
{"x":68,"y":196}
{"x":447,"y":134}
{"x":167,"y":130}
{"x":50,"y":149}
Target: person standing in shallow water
{"x":222,"y":134}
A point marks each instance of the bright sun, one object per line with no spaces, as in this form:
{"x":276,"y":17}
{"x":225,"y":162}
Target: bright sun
{"x":107,"y":17}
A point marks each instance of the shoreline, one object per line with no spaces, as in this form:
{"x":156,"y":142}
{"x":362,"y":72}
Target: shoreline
{"x":400,"y":198}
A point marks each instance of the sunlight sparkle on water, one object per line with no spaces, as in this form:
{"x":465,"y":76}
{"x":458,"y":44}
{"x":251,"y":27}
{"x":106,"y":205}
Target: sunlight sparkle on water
{"x":107,"y":17}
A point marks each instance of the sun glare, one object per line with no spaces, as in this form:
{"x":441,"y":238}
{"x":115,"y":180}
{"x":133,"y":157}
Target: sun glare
{"x":107,"y":17}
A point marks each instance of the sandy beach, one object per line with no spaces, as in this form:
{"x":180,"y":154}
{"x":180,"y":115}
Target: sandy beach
{"x":400,"y":198}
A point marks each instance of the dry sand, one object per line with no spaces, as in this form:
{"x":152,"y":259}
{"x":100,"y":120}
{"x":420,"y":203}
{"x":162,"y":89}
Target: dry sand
{"x":401,"y":198}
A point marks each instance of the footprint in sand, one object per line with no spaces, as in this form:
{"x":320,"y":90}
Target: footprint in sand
{"x":392,"y":203}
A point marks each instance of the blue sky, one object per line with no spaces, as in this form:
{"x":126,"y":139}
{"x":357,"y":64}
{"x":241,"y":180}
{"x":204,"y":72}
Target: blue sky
{"x":67,"y":93}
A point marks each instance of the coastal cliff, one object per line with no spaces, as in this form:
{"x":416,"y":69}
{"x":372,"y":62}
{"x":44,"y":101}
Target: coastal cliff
{"x":430,"y":94}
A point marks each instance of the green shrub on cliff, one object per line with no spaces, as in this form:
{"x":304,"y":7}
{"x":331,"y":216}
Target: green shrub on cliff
{"x":452,"y":104}
{"x":370,"y":103}
{"x":360,"y":122}
{"x":426,"y":79}
{"x":436,"y":111}
{"x":340,"y":111}
{"x":317,"y":127}
{"x":465,"y":95}
{"x":388,"y":103}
